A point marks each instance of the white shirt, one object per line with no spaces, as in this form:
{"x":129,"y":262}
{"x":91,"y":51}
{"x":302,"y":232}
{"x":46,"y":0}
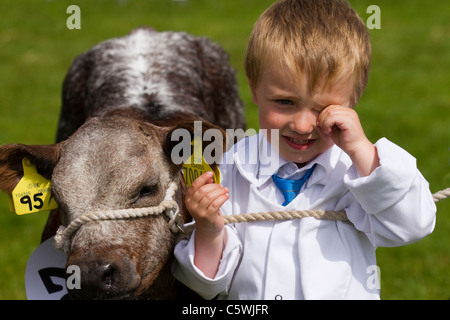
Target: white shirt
{"x":309,"y":258}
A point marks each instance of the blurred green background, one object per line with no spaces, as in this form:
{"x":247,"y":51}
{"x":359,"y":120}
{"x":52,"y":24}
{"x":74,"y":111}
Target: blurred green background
{"x":407,"y":101}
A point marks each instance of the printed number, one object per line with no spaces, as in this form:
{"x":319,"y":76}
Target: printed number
{"x":36,"y":198}
{"x":190,"y":175}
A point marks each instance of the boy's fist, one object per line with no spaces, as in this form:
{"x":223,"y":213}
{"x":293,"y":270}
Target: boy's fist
{"x":343,"y":126}
{"x":203,"y":201}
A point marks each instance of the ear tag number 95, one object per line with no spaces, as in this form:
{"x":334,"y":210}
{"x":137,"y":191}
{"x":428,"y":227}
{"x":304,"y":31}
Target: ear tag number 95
{"x":196,"y":165}
{"x":32,"y":193}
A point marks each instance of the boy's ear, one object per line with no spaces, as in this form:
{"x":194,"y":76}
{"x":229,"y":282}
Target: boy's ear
{"x":45,"y":157}
{"x":252,"y":90}
{"x":178,"y":140}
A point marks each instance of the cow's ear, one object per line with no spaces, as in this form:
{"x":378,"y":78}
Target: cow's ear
{"x":44,"y":157}
{"x":178,"y":139}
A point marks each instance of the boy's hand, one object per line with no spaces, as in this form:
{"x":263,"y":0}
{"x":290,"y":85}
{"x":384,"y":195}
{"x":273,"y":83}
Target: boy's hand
{"x":343,"y":126}
{"x":203,"y":200}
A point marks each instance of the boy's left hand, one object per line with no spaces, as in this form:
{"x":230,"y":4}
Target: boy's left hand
{"x":342,"y":125}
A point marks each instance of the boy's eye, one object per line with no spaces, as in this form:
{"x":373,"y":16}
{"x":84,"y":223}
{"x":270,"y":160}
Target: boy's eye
{"x":285,"y":102}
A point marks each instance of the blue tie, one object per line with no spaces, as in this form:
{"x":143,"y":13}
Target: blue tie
{"x":290,"y":188}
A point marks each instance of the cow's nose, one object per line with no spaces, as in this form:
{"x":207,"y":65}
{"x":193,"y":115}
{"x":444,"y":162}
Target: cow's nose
{"x":104,"y":279}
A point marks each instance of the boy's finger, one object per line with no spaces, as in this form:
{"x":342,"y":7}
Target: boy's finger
{"x":199,"y":203}
{"x":201,"y":187}
{"x":218,"y":202}
{"x":321,"y":111}
{"x":203,"y":179}
{"x":209,"y":193}
{"x":325,"y":120}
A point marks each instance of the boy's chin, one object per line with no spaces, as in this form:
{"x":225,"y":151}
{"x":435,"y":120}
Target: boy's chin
{"x":299,"y":159}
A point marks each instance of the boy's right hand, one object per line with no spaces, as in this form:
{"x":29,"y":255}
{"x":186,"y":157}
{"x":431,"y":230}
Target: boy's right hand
{"x":203,"y":200}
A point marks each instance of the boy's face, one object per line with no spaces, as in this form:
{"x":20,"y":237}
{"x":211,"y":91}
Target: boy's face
{"x":286,"y":104}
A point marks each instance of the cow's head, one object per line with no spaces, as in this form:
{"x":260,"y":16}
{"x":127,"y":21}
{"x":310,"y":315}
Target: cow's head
{"x":109,"y":163}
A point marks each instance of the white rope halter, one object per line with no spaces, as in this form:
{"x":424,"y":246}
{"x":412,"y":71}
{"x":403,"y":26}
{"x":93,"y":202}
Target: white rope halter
{"x":168,"y":206}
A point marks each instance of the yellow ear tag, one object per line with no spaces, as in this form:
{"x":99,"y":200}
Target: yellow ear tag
{"x":196,"y":165}
{"x":32,"y":193}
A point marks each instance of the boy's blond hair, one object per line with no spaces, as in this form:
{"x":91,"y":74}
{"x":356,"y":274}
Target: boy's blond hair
{"x":325,"y":40}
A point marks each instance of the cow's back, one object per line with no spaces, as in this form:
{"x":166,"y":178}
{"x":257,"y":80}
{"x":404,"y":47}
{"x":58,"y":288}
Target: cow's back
{"x":155,"y":76}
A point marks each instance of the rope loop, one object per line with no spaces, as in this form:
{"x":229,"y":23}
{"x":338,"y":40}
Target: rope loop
{"x":168,"y":206}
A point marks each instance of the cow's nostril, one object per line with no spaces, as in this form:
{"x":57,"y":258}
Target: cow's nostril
{"x":107,"y":278}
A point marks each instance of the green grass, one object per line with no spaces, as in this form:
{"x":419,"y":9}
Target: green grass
{"x":407,"y":101}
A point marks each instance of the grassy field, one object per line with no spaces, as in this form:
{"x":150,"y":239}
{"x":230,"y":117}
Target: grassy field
{"x":407,"y":101}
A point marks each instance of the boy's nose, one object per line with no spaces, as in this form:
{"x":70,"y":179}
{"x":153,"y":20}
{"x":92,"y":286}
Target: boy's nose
{"x":303,"y":122}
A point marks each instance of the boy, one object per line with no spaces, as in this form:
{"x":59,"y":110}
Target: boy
{"x":307,"y":64}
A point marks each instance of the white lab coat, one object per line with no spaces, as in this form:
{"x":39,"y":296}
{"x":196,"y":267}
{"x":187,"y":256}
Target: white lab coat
{"x":309,"y":258}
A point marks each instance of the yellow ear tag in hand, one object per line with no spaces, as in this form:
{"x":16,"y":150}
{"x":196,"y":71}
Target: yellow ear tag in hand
{"x":196,"y":165}
{"x":32,"y":193}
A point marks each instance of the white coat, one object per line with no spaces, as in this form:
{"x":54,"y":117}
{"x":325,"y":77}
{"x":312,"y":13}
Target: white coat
{"x":309,"y":258}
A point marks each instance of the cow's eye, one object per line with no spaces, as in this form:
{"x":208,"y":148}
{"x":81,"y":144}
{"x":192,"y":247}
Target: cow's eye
{"x":148,"y":191}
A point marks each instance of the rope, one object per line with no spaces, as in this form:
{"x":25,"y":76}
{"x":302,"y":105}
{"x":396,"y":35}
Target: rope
{"x":440,"y":195}
{"x":297,"y":214}
{"x":170,"y":208}
{"x":286,"y":215}
{"x":317,"y":214}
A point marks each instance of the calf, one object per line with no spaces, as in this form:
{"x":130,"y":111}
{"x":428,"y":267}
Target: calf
{"x":122,"y":99}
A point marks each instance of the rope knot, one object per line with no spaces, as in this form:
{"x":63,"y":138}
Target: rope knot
{"x":61,"y":242}
{"x":172,"y":211}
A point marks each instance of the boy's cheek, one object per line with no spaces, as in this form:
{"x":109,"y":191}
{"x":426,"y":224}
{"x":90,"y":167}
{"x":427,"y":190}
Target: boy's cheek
{"x":327,"y":143}
{"x":270,"y":129}
{"x":324,"y":141}
{"x":272,"y":122}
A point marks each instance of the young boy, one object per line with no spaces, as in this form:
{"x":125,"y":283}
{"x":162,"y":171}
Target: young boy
{"x":307,"y":64}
